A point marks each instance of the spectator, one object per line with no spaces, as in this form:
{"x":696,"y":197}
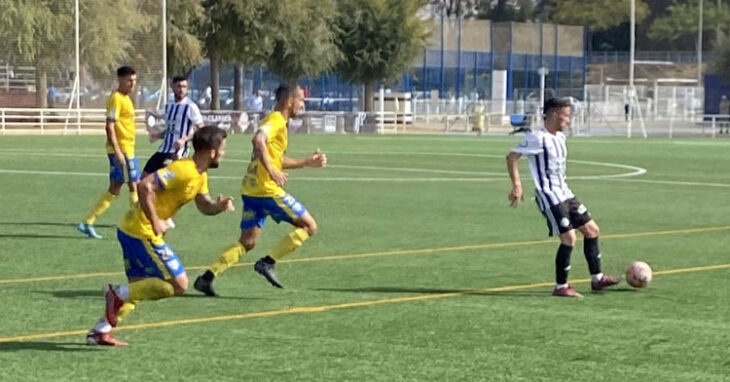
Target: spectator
{"x":52,"y":91}
{"x":725,"y":114}
{"x":254,"y":102}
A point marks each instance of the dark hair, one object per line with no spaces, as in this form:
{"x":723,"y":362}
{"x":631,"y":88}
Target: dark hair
{"x":209,"y":138}
{"x":553,"y":104}
{"x":177,"y":79}
{"x":125,"y":71}
{"x":285,"y":91}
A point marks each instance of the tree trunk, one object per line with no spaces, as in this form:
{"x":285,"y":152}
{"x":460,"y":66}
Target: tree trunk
{"x":369,"y":95}
{"x":41,"y":86}
{"x":214,"y":81}
{"x":238,"y":87}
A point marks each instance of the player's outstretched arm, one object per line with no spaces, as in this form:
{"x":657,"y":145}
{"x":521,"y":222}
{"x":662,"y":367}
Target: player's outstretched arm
{"x":207,"y":206}
{"x":515,"y":196}
{"x":317,"y":159}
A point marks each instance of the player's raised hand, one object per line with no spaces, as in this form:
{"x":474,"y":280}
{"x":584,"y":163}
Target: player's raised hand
{"x":318,"y":159}
{"x":278,"y":177}
{"x":515,"y":196}
{"x":225,"y":203}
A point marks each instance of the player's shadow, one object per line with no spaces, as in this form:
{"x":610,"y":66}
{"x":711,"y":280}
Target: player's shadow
{"x":72,"y":293}
{"x":40,"y":236}
{"x":57,"y":224}
{"x":94,"y":293}
{"x":46,"y":346}
{"x":426,"y":290}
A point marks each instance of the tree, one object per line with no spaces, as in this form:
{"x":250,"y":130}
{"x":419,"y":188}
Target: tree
{"x":184,"y":49}
{"x":680,"y":25}
{"x":379,"y":39}
{"x":305,"y":41}
{"x":40,"y":33}
{"x":253,"y":40}
{"x":467,"y":8}
{"x":720,"y":63}
{"x":598,"y":15}
{"x":506,"y":10}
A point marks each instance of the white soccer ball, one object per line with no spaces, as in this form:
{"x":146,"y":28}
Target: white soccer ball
{"x":639,"y":274}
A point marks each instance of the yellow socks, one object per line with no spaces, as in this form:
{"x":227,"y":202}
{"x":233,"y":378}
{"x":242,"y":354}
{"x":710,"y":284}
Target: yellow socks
{"x":150,"y":289}
{"x":227,"y":258}
{"x":127,"y":308}
{"x":289,"y":243}
{"x":100,"y":207}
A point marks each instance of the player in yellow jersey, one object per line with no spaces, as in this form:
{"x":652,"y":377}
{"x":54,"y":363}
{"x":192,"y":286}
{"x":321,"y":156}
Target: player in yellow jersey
{"x":124,"y":167}
{"x":264,"y":196}
{"x":153,"y":269}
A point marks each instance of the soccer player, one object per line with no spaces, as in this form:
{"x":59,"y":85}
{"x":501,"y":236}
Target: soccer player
{"x":263,"y":195}
{"x":124,"y":167}
{"x":153,"y":269}
{"x":182,"y":117}
{"x":547,"y":153}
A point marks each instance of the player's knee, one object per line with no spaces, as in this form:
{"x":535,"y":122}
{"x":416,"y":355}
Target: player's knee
{"x":180,"y":285}
{"x":311,"y":228}
{"x":247,"y":243}
{"x":568,"y":238}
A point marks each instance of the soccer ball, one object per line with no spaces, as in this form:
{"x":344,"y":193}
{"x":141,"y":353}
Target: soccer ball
{"x":639,"y":274}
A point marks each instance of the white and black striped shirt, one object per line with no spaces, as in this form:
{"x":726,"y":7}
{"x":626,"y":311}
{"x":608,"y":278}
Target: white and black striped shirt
{"x":547,"y":155}
{"x":181,"y":118}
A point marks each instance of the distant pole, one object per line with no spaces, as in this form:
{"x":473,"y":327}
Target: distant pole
{"x":632,"y":52}
{"x":699,"y":44}
{"x":542,"y":71}
{"x":164,"y":52}
{"x":78,"y":71}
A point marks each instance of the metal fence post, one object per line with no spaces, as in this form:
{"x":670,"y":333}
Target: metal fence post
{"x":42,"y":121}
{"x":713,"y":126}
{"x":2,"y":120}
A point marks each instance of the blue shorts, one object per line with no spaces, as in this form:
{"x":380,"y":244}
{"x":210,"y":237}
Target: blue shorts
{"x":256,"y":209}
{"x":125,"y":174}
{"x":143,"y":258}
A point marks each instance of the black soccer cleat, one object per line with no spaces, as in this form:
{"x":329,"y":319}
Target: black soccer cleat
{"x":267,"y":270}
{"x":205,"y":286}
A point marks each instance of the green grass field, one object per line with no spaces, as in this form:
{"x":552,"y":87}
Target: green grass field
{"x":420,"y":270}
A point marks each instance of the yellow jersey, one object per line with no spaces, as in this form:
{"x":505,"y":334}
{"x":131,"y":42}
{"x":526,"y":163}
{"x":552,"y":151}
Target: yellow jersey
{"x":120,"y":110}
{"x":257,"y":182}
{"x":178,"y":184}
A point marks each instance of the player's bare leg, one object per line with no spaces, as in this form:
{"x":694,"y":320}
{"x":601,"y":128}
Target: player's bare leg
{"x":306,"y":227}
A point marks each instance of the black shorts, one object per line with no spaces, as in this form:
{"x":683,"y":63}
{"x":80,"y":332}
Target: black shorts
{"x":157,"y":161}
{"x":565,"y":216}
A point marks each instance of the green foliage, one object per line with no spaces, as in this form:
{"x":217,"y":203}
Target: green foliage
{"x":503,"y":10}
{"x":598,"y":15}
{"x":184,"y":49}
{"x":681,"y":23}
{"x":305,"y":41}
{"x":720,"y":63}
{"x":379,"y":39}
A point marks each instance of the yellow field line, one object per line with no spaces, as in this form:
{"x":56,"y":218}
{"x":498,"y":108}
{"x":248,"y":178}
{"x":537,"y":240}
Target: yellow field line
{"x":389,"y":253}
{"x":347,"y":305}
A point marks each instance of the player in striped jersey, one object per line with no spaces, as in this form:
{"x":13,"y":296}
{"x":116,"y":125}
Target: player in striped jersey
{"x":546,"y":151}
{"x":182,"y":117}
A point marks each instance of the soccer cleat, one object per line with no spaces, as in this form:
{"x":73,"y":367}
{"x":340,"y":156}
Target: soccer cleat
{"x":103,"y":339}
{"x":267,"y":270}
{"x":205,"y":286}
{"x":113,"y":303}
{"x":605,"y":282}
{"x":566,"y":292}
{"x":88,"y":230}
